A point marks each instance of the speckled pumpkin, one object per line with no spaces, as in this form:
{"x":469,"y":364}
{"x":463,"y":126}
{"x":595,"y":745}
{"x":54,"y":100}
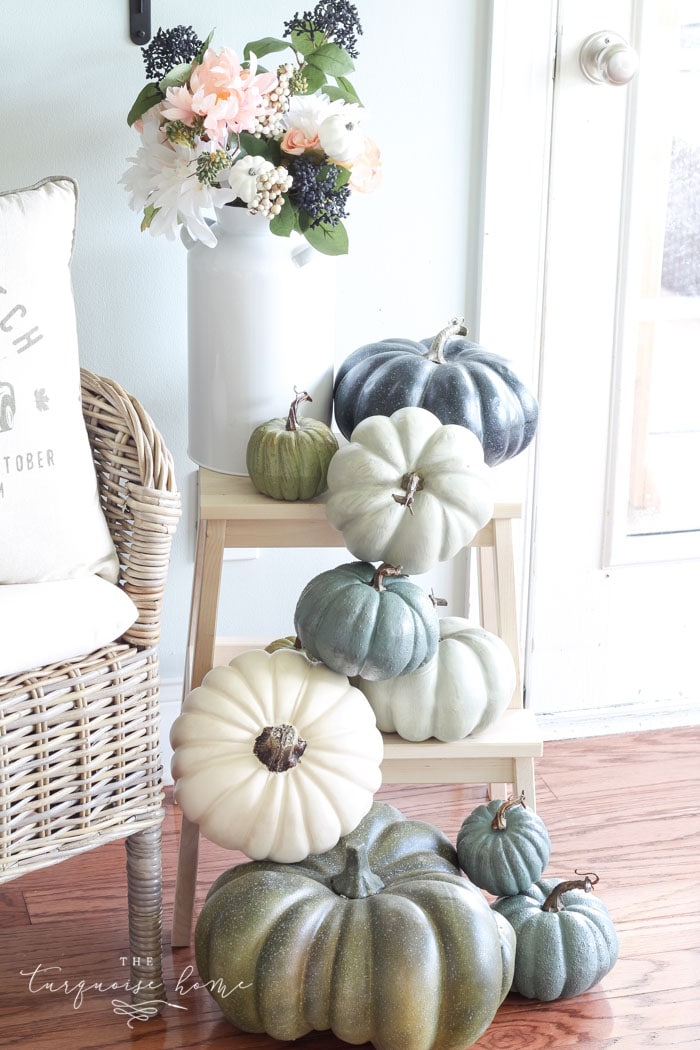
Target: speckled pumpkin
{"x":503,"y":846}
{"x":380,"y":940}
{"x":364,"y":621}
{"x":459,"y":381}
{"x":288,"y":459}
{"x":565,"y":939}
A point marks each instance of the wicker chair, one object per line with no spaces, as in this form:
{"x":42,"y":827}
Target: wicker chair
{"x":79,"y":753}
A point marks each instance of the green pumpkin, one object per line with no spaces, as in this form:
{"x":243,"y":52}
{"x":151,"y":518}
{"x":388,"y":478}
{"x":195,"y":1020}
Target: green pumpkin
{"x":503,"y":847}
{"x":380,"y":940}
{"x":364,"y":621}
{"x":288,"y":458}
{"x":566,"y":940}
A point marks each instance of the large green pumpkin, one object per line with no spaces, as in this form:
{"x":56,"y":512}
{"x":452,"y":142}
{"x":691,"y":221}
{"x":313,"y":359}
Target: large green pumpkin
{"x":459,"y":381}
{"x":380,"y":940}
{"x":503,"y":846}
{"x":566,"y":940}
{"x":364,"y":621}
{"x":288,"y":459}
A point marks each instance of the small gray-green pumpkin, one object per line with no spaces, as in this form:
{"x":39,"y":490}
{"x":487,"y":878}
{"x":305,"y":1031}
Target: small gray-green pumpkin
{"x":503,"y":846}
{"x":380,"y":940}
{"x":288,"y":458}
{"x":565,"y":939}
{"x":359,"y":620}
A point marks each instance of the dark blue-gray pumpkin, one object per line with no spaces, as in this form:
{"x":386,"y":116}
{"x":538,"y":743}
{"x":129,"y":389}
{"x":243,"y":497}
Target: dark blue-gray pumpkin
{"x":458,"y":381}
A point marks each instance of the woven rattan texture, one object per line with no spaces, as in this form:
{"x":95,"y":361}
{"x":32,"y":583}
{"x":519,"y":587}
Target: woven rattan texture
{"x":79,"y":747}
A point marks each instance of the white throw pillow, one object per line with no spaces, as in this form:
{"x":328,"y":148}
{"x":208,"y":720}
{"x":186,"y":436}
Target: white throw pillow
{"x":51,"y":523}
{"x":42,"y":623}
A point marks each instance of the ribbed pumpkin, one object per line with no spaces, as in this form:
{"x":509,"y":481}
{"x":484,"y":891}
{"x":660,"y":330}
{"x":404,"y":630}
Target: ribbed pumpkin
{"x":565,"y":939}
{"x":459,"y":381}
{"x":465,"y":687}
{"x":380,"y":940}
{"x":503,"y":846}
{"x":364,"y":621}
{"x":288,"y":459}
{"x":409,"y":490}
{"x":275,"y":755}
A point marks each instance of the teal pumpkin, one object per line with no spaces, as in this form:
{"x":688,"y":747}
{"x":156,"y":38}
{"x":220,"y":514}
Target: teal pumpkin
{"x":359,"y":620}
{"x":380,"y":940}
{"x":565,"y":939}
{"x":288,"y":459}
{"x":503,"y":846}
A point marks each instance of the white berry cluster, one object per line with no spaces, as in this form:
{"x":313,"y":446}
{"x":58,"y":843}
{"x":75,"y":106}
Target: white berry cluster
{"x":269,"y":121}
{"x":271,"y":185}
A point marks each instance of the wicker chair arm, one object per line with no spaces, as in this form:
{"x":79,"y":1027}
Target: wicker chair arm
{"x":138,"y":493}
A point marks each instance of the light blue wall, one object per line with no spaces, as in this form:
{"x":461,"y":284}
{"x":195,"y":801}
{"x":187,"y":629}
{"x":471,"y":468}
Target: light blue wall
{"x":70,"y":74}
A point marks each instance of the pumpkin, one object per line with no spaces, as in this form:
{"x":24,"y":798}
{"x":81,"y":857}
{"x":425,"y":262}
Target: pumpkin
{"x":565,"y":939}
{"x":380,"y":940}
{"x":459,"y":381}
{"x":462,"y":690}
{"x":288,"y":458}
{"x":364,"y":621}
{"x":503,"y":846}
{"x":409,"y":490}
{"x":275,"y":755}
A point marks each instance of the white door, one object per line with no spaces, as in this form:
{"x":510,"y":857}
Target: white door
{"x":593,"y":235}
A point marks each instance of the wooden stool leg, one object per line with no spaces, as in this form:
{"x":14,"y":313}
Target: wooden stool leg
{"x":525,"y":780}
{"x":145,"y":891}
{"x":186,"y":883}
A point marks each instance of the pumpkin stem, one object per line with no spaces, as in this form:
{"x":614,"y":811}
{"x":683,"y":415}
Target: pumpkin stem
{"x":455,"y":327}
{"x":357,"y":879}
{"x":279,"y":747}
{"x":435,"y":600}
{"x":499,"y":821}
{"x":554,"y":901}
{"x":410,"y":483}
{"x":385,"y":569}
{"x":293,"y":417}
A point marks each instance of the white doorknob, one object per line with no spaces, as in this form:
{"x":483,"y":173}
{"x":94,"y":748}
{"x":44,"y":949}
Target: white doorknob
{"x":607,"y":58}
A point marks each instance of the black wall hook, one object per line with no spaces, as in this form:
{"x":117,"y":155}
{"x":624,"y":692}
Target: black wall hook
{"x":140,"y":21}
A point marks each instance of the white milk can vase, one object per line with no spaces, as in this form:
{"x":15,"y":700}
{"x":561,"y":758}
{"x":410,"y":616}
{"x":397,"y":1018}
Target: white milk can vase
{"x":261,"y":318}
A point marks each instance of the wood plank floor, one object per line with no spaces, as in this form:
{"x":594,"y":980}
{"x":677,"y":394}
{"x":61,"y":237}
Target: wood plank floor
{"x":626,"y":807}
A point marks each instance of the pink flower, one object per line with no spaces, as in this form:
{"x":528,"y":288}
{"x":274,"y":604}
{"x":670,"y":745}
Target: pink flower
{"x":365,"y":172}
{"x":297,"y":142}
{"x":227,"y":97}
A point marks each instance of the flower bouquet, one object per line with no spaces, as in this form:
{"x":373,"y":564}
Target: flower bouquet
{"x":287,"y":144}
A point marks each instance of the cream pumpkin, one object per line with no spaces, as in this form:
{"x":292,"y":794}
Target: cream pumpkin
{"x":409,"y":490}
{"x":275,"y":756}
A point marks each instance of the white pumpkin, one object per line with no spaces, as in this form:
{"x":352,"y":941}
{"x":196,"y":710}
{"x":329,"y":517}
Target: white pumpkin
{"x":409,"y":490}
{"x":276,"y":756}
{"x":465,"y":687}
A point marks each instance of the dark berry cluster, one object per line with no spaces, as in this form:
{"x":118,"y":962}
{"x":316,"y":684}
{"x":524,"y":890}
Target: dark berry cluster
{"x":314,"y":191}
{"x":168,"y":48}
{"x":336,"y":20}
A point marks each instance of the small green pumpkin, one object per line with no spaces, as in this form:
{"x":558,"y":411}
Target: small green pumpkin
{"x":364,"y":621}
{"x":288,"y":459}
{"x":565,"y":939}
{"x":503,"y":846}
{"x":380,"y":940}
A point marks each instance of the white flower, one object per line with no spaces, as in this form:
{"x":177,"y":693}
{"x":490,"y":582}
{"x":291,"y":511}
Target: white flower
{"x":163,"y":176}
{"x":306,"y":113}
{"x":341,"y":134}
{"x":243,"y":176}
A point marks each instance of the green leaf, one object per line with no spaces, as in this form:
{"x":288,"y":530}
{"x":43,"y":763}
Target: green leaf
{"x":148,"y":215}
{"x":178,"y":75}
{"x":303,"y":43}
{"x":329,"y":240}
{"x":315,"y":78}
{"x":267,"y":45}
{"x":202,"y":51}
{"x":350,"y":93}
{"x":340,"y":93}
{"x":255,"y":147}
{"x":148,"y":96}
{"x":333,"y":60}
{"x":283,"y":224}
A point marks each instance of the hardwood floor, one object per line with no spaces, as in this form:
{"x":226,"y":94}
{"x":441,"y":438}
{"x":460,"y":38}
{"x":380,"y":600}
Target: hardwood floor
{"x":624,"y":806}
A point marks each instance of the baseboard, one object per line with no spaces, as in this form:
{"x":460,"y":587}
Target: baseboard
{"x":555,"y":725}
